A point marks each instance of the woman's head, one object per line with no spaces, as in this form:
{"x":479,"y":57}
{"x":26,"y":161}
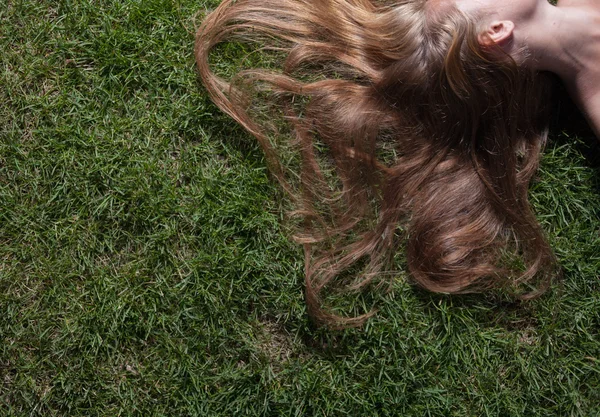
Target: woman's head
{"x":403,"y":129}
{"x":510,"y":24}
{"x":441,"y":68}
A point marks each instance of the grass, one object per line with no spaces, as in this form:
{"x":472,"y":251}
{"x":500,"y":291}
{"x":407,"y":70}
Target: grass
{"x":143,"y":271}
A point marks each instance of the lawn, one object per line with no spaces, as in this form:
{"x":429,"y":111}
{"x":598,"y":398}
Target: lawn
{"x":144,"y":270}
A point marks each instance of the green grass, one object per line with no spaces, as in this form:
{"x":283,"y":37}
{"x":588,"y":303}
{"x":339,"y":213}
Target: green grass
{"x":144,"y":272}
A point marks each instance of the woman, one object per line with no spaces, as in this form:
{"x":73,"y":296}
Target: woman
{"x":414,"y":124}
{"x":563,"y":40}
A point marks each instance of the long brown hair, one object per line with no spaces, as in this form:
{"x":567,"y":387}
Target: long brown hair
{"x":391,"y":126}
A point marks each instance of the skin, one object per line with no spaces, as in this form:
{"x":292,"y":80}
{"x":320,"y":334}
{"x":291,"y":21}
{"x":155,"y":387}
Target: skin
{"x":563,"y":39}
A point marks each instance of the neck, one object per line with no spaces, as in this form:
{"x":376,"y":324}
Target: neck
{"x":552,"y":39}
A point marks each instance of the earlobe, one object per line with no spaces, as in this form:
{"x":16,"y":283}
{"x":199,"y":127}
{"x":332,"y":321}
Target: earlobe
{"x":498,"y":33}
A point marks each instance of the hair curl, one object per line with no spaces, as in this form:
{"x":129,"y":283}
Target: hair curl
{"x":396,"y":128}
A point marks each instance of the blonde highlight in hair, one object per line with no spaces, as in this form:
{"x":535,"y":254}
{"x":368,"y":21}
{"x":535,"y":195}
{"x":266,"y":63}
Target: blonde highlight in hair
{"x":391,"y":126}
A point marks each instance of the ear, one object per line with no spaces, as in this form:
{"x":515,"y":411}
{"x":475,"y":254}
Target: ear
{"x":498,"y":32}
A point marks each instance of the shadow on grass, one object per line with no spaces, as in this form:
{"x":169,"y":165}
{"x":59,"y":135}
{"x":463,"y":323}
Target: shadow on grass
{"x":567,"y":119}
{"x":491,"y":309}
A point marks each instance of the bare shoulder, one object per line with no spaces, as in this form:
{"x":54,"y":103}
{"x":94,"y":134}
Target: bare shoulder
{"x":576,"y":3}
{"x":589,"y":5}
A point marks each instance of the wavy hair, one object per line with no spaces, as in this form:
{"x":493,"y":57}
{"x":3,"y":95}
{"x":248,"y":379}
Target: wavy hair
{"x":391,"y":126}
